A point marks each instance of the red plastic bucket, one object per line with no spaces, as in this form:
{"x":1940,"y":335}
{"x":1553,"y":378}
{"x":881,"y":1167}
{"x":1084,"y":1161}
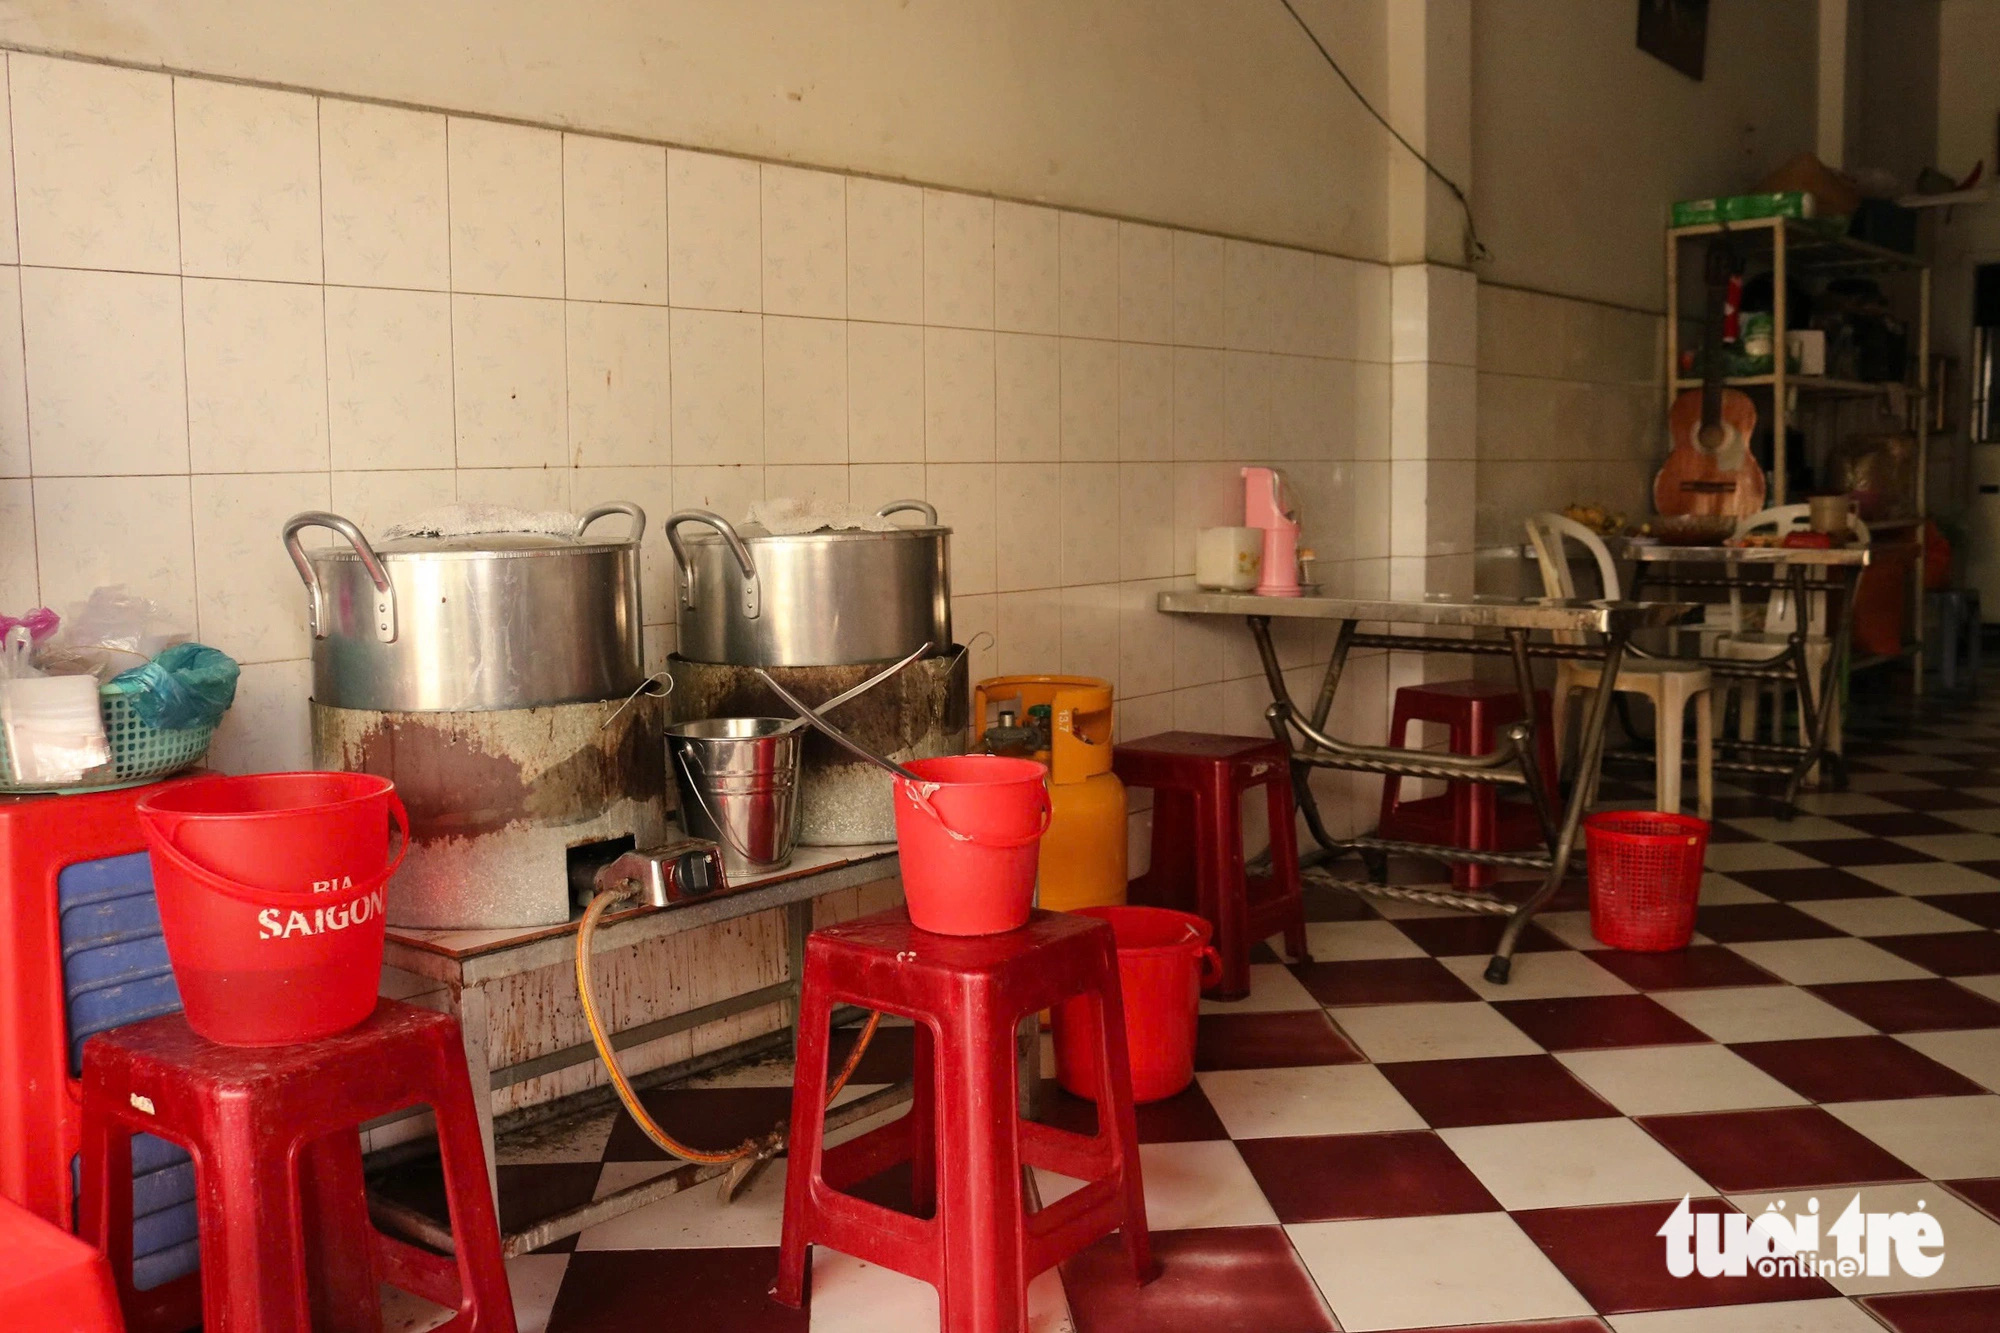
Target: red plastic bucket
{"x":970,"y":835}
{"x":1164,"y":960}
{"x":1645,"y":878}
{"x":271,"y":899}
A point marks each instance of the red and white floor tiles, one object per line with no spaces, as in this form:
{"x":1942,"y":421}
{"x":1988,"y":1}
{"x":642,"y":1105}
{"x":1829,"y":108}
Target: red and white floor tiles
{"x":1382,"y":1141}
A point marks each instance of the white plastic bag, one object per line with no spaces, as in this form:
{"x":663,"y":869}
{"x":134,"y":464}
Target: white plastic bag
{"x":52,"y":724}
{"x":15,"y":649}
{"x":54,"y":731}
{"x":113,"y":632}
{"x":787,"y":517}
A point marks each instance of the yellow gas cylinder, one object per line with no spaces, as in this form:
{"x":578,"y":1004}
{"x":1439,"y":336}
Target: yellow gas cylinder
{"x":1083,"y":852}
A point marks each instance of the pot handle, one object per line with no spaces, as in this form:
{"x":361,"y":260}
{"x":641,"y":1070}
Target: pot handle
{"x":752,"y":593}
{"x":385,"y":591}
{"x":924,"y":507}
{"x":637,"y":514}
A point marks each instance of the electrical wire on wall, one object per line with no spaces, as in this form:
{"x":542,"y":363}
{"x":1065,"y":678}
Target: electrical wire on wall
{"x":1475,"y":249}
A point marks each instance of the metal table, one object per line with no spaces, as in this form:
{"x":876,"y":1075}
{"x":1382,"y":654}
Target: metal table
{"x":497,"y":984}
{"x":1825,"y":576}
{"x":1512,"y":764}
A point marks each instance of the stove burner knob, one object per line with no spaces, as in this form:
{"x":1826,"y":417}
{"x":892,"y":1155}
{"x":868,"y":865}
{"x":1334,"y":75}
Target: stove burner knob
{"x":694,"y":874}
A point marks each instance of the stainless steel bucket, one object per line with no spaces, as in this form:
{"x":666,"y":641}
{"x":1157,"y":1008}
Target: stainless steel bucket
{"x":738,"y":779}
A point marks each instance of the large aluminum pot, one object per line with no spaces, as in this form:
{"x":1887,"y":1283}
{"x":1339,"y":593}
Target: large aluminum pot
{"x":462,"y":624}
{"x":751,"y":598}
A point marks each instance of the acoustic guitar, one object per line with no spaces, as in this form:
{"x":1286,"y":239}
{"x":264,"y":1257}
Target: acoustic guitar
{"x":1710,"y":470}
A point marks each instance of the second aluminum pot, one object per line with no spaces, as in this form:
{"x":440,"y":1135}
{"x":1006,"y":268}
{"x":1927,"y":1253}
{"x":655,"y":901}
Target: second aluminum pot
{"x":831,"y":598}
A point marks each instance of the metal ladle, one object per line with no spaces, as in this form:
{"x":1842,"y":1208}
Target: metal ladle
{"x":831,"y":732}
{"x":845,"y":695}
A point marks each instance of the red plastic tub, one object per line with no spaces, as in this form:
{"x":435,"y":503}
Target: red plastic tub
{"x":1164,"y":960}
{"x":1645,"y":877}
{"x":271,"y":893}
{"x":969,"y":835}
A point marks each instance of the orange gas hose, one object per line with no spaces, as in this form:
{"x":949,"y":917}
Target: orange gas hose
{"x":770,"y":1145}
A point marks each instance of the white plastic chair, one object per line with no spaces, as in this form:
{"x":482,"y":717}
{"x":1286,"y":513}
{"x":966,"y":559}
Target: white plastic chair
{"x":1741,"y":644}
{"x":1668,"y":682}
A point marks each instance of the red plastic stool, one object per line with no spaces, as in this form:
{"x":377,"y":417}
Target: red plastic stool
{"x":275,"y":1137}
{"x":1198,"y":781}
{"x":962,"y":1136}
{"x":52,"y":1281}
{"x":1469,"y":815}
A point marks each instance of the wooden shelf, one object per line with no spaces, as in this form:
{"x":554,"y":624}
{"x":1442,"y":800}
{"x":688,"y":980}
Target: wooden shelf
{"x":1809,"y":384}
{"x":1810,"y":248}
{"x":1815,"y":251}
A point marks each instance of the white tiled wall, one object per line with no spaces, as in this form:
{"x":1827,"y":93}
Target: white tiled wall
{"x":1569,"y":410}
{"x":220,"y":305}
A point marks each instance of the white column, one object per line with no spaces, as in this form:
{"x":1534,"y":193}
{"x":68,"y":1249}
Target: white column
{"x":1433,"y":301}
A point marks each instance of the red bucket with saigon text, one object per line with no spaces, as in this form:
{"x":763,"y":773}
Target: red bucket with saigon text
{"x":272,"y":892}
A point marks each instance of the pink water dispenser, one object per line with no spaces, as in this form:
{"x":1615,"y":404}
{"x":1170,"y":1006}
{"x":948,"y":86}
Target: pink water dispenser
{"x":1268,"y":504}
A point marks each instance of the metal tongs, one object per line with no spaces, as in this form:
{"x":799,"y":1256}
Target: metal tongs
{"x":808,"y":715}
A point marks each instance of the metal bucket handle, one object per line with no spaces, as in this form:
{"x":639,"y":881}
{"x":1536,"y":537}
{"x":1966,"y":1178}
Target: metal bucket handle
{"x":752,"y":599}
{"x":385,"y":592}
{"x":683,"y":756}
{"x":637,"y":515}
{"x":924,"y":507}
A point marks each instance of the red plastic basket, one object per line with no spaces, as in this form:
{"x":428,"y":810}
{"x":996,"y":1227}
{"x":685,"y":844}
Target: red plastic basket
{"x":1645,"y":877}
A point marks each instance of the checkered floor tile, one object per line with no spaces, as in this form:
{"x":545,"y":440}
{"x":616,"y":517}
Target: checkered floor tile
{"x":1380,"y":1140}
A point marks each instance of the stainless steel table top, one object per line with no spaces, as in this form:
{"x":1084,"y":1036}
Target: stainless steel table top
{"x":1477,"y":612}
{"x":1743,"y":555}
